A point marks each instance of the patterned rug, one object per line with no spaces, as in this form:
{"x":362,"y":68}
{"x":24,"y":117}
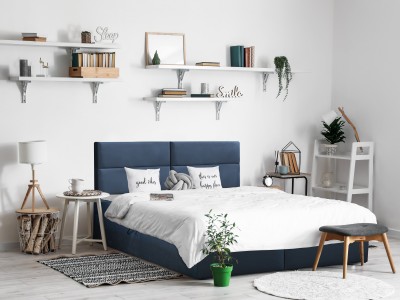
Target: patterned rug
{"x":322,"y":285}
{"x":95,"y":270}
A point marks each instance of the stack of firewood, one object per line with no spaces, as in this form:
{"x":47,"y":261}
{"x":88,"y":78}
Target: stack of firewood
{"x":37,"y":232}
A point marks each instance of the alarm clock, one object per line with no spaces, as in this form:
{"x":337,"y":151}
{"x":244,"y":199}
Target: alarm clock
{"x":267,"y":180}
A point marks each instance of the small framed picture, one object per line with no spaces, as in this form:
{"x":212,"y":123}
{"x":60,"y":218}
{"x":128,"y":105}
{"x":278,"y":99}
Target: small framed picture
{"x":170,"y":48}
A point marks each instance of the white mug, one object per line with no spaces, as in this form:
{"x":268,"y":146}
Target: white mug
{"x":204,"y":88}
{"x":76,"y":185}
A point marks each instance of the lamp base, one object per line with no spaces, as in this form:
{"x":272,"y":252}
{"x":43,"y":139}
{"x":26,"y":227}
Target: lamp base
{"x":31,"y":189}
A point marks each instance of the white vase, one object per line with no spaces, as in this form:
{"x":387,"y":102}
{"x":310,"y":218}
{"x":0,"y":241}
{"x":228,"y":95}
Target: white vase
{"x":330,"y":149}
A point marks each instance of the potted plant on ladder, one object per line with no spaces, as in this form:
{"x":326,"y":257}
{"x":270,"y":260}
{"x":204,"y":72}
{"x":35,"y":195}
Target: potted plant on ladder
{"x":219,"y":237}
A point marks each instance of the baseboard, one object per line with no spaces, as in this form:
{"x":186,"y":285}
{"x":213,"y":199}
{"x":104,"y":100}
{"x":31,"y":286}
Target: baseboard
{"x":13,"y":246}
{"x":394,"y":233}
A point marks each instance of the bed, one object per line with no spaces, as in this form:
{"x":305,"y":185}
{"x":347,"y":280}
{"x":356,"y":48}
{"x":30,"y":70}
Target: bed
{"x":110,"y":158}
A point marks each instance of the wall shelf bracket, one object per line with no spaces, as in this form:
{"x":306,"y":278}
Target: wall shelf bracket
{"x":218,"y":106}
{"x":24,"y":87}
{"x":180,"y":73}
{"x":265,"y":80}
{"x":158,"y":109}
{"x":95,"y":87}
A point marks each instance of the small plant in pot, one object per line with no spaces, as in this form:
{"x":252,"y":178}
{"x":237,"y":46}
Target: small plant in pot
{"x":333,"y":133}
{"x":219,"y":237}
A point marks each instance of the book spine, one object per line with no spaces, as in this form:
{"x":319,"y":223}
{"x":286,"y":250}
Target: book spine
{"x":252,"y":53}
{"x":247,"y":57}
{"x":242,"y":56}
{"x":75,"y":60}
{"x":236,"y":56}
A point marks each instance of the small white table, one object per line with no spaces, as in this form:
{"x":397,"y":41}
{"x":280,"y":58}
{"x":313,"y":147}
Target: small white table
{"x":89,"y":237}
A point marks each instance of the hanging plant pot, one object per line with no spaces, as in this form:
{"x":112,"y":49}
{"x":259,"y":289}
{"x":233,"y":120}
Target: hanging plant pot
{"x":284,"y":72}
{"x":221,"y":275}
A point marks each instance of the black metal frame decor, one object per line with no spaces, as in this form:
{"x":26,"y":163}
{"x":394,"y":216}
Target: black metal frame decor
{"x":296,"y":152}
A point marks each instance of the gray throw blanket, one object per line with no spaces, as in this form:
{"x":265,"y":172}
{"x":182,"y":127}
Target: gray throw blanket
{"x":178,"y":181}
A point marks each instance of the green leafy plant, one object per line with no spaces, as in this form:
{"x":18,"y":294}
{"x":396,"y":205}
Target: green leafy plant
{"x":220,"y":235}
{"x":284,"y":71}
{"x":333,"y":132}
{"x":156,"y":59}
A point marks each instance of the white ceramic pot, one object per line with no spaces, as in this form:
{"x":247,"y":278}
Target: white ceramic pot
{"x":330,"y":149}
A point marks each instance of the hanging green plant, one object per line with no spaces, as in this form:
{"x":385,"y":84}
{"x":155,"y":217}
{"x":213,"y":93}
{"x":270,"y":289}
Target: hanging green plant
{"x":282,"y":68}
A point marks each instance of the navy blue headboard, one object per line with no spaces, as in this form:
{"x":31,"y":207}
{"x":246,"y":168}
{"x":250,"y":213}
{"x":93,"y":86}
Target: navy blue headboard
{"x":110,"y":158}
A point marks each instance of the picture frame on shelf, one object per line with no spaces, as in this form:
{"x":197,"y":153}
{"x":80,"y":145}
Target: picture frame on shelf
{"x":169,"y":46}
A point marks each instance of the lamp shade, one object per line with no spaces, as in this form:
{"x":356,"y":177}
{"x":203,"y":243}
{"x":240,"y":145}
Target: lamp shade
{"x":33,"y":152}
{"x":329,"y":117}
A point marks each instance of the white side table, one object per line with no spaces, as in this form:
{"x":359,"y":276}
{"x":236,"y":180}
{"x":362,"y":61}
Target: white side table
{"x":89,"y":237}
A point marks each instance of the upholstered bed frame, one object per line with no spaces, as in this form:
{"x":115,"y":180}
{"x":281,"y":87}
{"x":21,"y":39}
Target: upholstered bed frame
{"x":110,"y":158}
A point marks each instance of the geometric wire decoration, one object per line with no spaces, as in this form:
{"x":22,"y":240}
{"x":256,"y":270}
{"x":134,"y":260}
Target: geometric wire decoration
{"x":291,"y":157}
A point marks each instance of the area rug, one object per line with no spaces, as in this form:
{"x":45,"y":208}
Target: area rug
{"x":115,"y":268}
{"x":320,"y":285}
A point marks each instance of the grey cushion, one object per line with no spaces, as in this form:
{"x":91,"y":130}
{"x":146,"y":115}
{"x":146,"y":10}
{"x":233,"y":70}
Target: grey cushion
{"x":365,"y":229}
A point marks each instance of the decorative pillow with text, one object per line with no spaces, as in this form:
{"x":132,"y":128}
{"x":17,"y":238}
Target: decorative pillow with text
{"x":205,"y":178}
{"x":147,"y":180}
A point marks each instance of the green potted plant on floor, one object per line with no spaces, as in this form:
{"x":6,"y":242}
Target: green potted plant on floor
{"x":333,"y":134}
{"x":219,"y":237}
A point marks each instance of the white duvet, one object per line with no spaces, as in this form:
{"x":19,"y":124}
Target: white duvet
{"x":268,"y":219}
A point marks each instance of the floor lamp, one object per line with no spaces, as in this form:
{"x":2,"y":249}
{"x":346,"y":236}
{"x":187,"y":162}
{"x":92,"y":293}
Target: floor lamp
{"x":33,"y":153}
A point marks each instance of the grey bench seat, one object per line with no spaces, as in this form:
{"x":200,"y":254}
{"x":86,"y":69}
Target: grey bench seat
{"x":364,"y":229}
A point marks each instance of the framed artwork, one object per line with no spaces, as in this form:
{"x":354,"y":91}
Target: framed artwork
{"x":169,"y":46}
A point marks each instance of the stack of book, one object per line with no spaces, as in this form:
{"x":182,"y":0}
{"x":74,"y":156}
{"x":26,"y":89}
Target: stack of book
{"x":32,"y":37}
{"x":173,"y":93}
{"x":101,"y":60}
{"x":289,"y":159}
{"x":208,"y":64}
{"x":242,"y":56}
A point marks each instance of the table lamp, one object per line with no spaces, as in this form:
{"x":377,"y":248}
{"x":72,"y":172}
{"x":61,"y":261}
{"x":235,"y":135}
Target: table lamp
{"x":33,"y":153}
{"x":329,"y":117}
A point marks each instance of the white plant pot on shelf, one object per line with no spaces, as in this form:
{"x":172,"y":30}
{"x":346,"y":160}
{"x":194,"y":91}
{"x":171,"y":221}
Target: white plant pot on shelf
{"x":330,"y":149}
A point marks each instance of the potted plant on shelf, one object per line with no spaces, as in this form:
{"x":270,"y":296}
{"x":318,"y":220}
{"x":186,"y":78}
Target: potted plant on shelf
{"x":333,"y":133}
{"x":219,"y":237}
{"x":282,"y":68}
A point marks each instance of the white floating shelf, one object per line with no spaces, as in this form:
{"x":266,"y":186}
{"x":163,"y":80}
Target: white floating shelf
{"x":357,"y":189}
{"x":345,"y":156}
{"x":159,"y":100}
{"x":94,"y":81}
{"x":207,"y":68}
{"x":59,"y":44}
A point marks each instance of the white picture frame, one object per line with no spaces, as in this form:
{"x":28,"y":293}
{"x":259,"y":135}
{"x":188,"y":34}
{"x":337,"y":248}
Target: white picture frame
{"x":169,"y":46}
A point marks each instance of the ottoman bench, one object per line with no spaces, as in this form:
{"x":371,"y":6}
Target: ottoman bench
{"x":360,"y":232}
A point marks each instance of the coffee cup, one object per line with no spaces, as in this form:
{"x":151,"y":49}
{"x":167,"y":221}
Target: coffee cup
{"x":76,"y":185}
{"x":283,"y":170}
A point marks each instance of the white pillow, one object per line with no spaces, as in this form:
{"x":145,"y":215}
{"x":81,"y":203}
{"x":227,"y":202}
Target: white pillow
{"x":205,"y":178}
{"x":143,"y":180}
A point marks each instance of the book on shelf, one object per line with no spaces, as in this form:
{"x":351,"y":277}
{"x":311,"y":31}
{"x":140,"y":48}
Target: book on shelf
{"x":174,"y":92}
{"x":174,"y":89}
{"x":29,"y":34}
{"x":202,"y":95}
{"x":35,"y":39}
{"x":208,"y":64}
{"x":171,"y":96}
{"x":98,"y":59}
{"x":289,"y":159}
{"x":237,"y":56}
{"x":162,"y":197}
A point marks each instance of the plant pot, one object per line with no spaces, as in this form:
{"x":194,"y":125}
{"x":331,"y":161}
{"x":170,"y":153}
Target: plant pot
{"x":222,"y":276}
{"x":330,"y":149}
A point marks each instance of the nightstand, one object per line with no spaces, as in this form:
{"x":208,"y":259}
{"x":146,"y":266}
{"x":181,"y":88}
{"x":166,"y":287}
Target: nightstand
{"x":88,"y":200}
{"x":292,"y":177}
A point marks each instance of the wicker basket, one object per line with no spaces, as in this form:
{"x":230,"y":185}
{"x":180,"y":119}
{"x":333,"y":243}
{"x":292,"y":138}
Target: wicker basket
{"x":37,"y":231}
{"x":86,"y":37}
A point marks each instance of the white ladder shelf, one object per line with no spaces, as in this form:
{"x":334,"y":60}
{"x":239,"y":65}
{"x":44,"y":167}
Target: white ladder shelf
{"x":360,"y":151}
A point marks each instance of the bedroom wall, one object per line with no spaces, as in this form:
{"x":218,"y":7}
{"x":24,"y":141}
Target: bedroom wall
{"x":365,"y":81}
{"x":62,"y":113}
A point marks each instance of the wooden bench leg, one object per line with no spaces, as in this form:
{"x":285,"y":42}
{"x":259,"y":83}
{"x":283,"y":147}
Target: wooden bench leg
{"x":319,"y":251}
{"x":388,"y":252}
{"x":345,"y":255}
{"x":361,"y":245}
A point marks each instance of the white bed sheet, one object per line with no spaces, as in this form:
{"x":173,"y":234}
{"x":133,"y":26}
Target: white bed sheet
{"x":268,"y":219}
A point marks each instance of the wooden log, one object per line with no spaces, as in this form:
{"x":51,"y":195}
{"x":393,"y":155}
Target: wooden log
{"x":39,"y":240}
{"x":35,"y":229}
{"x":26,"y":225}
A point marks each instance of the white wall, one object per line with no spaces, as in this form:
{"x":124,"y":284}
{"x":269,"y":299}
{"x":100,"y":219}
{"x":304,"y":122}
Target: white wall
{"x":62,"y":113}
{"x":365,"y":81}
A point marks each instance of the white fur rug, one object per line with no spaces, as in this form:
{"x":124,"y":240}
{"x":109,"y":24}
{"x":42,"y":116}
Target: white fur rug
{"x":322,"y":286}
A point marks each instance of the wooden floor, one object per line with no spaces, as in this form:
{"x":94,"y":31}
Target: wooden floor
{"x":21,"y":277}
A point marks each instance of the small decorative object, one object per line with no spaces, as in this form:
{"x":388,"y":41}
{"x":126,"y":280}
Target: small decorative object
{"x":204,"y":88}
{"x":170,"y":45}
{"x":282,"y":68}
{"x":333,"y":133}
{"x":290,"y":155}
{"x":104,"y":35}
{"x":86,"y":37}
{"x":33,"y":153}
{"x":219,"y":237}
{"x":267,"y":181}
{"x":178,"y":181}
{"x":283,"y":170}
{"x":23,"y":67}
{"x":341,"y":109}
{"x":233,"y":93}
{"x":29,"y":71}
{"x":44,"y":69}
{"x":76,"y":185}
{"x":84,"y":193}
{"x":327,"y":180}
{"x":156,"y":59}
